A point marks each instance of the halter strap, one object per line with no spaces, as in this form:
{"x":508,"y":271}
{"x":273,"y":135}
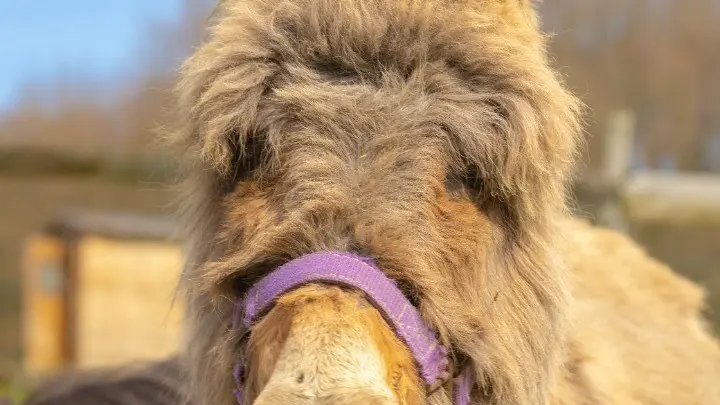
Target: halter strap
{"x":362,"y":273}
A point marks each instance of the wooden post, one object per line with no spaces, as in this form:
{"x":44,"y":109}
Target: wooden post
{"x":43,"y":306}
{"x":617,"y":158}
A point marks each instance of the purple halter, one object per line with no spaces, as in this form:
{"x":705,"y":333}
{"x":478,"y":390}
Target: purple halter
{"x":362,"y":273}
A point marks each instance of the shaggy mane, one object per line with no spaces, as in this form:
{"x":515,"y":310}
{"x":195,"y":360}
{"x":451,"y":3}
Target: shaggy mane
{"x":425,"y":90}
{"x":432,"y":137}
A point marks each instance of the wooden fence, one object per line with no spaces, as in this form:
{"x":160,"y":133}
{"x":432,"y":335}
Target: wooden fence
{"x":649,"y":196}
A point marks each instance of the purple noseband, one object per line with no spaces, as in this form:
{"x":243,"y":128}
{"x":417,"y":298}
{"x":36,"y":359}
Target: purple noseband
{"x":359,"y":272}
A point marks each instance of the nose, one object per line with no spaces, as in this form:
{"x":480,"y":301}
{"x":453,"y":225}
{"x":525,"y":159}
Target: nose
{"x":323,"y":345}
{"x":275,"y":394}
{"x":278,"y":395}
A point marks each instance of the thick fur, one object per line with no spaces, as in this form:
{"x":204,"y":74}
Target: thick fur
{"x":637,"y":335}
{"x":431,"y":135}
{"x":323,"y":345}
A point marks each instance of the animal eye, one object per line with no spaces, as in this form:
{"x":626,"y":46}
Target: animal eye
{"x":466,"y":179}
{"x":246,"y":159}
{"x":254,"y":151}
{"x":468,"y":184}
{"x":473,"y":178}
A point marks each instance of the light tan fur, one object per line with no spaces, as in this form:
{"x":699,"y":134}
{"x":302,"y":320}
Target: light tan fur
{"x":433,"y":136}
{"x":637,"y":332}
{"x":334,"y":348}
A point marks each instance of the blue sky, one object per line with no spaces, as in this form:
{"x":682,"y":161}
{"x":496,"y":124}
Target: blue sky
{"x":92,"y":39}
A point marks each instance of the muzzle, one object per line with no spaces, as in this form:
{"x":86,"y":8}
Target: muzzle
{"x":349,"y":270}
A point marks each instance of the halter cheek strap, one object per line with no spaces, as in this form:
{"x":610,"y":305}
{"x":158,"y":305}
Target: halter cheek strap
{"x":362,"y":273}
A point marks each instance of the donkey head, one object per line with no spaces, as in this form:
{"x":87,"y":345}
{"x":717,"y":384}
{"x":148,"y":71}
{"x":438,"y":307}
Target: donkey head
{"x":428,"y":135}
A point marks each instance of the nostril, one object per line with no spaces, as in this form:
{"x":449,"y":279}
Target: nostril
{"x":300,"y":378}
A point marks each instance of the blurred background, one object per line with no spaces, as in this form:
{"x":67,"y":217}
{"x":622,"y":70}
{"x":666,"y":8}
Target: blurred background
{"x":85,"y":84}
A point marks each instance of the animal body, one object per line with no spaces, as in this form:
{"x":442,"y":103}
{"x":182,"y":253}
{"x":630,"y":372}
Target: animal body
{"x":433,"y":137}
{"x":159,"y":383}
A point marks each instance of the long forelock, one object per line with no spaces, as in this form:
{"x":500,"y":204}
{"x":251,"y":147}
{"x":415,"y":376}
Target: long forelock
{"x":493,"y":90}
{"x":475,"y":70}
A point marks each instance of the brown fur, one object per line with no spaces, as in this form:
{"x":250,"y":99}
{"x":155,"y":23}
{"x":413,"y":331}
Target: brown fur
{"x":354,"y":125}
{"x":433,"y":136}
{"x":321,"y":332}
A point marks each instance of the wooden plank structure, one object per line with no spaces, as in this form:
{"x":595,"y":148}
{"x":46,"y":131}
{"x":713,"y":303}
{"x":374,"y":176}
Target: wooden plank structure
{"x":98,"y":290}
